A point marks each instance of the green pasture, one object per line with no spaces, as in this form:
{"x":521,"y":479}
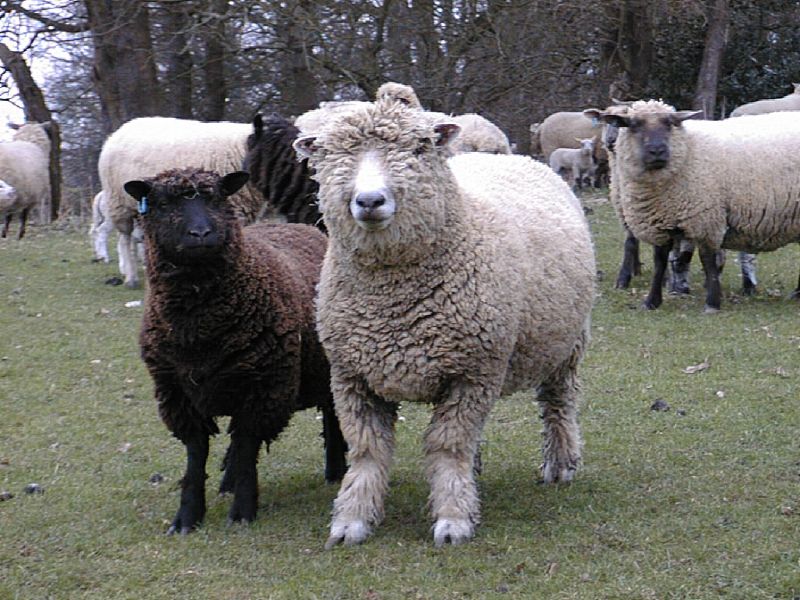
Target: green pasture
{"x":698,"y":501}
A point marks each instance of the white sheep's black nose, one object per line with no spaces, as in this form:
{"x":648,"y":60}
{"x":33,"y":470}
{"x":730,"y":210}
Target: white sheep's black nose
{"x":370,"y":200}
{"x":657,"y":152}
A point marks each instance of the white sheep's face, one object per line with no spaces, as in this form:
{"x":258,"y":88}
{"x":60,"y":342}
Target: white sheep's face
{"x":384,"y":179}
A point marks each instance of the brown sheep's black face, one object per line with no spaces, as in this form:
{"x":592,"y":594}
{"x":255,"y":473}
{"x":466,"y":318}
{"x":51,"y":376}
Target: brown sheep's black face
{"x":185,"y":226}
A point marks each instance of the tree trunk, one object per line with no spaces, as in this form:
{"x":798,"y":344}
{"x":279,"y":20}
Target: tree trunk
{"x":216,"y":86}
{"x":36,"y":110}
{"x":124,"y":72}
{"x":705,"y":97}
{"x":297,"y":84}
{"x":179,"y":61}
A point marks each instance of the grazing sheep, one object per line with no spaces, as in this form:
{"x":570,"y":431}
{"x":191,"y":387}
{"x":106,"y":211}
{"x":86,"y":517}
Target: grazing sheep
{"x":721,"y":184}
{"x":25,"y":166}
{"x":478,"y":134}
{"x":284,"y":181}
{"x":449,"y":282}
{"x":761,"y":107}
{"x":573,"y":164}
{"x":228,"y":329}
{"x":148,"y":145}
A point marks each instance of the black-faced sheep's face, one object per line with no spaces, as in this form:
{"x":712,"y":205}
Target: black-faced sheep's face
{"x":651,"y":132}
{"x":383,"y":176}
{"x":187,"y":219}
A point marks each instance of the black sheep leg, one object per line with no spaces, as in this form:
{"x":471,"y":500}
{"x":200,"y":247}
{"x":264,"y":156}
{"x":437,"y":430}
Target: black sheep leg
{"x":243,"y":455}
{"x":660,"y":260}
{"x":631,"y":265}
{"x":228,"y":482}
{"x":713,"y":288}
{"x":335,"y":446}
{"x":193,"y":493}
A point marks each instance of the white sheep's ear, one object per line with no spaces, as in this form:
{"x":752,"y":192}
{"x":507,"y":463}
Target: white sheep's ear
{"x":233,"y":182}
{"x":445,"y":133}
{"x":305,"y":146}
{"x":138,"y":189}
{"x":680,"y":116}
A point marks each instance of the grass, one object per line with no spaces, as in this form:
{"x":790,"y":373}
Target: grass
{"x":700,"y":501}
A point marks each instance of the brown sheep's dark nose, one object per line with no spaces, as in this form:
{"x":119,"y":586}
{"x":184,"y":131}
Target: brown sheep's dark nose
{"x":200,"y":230}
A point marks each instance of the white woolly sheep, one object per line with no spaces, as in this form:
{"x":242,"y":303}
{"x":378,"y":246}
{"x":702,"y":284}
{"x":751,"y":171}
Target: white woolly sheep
{"x":449,"y":282}
{"x":770,"y":105}
{"x":146,"y":146}
{"x":721,"y":184}
{"x":478,"y":134}
{"x":574,"y":164}
{"x":25,"y":166}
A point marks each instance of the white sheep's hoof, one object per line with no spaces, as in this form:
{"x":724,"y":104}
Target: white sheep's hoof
{"x":350,"y":534}
{"x":555,"y":473}
{"x":452,"y":531}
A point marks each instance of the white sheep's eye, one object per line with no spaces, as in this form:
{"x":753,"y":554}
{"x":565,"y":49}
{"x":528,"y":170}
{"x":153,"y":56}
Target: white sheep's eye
{"x":423,"y":146}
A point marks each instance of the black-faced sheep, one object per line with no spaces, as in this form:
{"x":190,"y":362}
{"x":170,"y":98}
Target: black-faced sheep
{"x":721,"y":184}
{"x":148,"y":145}
{"x":25,"y":166}
{"x":228,"y":329}
{"x":770,"y":105}
{"x":284,"y":181}
{"x":449,"y":282}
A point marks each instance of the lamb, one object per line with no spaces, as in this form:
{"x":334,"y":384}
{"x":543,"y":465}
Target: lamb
{"x":228,"y":329}
{"x":102,"y":227}
{"x":576,"y":164}
{"x":448,"y":282}
{"x":761,"y":107}
{"x":25,"y":166}
{"x":148,"y":145}
{"x":721,"y":184}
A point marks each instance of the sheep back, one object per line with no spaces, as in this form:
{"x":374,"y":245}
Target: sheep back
{"x":769,"y":105}
{"x":479,"y":134}
{"x":146,"y":146}
{"x":560,"y":129}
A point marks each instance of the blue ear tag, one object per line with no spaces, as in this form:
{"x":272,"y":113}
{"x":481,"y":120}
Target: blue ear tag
{"x":143,"y":205}
{"x":595,"y":121}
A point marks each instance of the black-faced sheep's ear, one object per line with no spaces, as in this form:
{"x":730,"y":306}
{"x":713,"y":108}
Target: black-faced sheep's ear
{"x":615,"y":120}
{"x":258,"y":125}
{"x":305,"y":146}
{"x":593,"y":114}
{"x":679,"y":117}
{"x":233,"y":182}
{"x":138,"y":189}
{"x":445,"y":133}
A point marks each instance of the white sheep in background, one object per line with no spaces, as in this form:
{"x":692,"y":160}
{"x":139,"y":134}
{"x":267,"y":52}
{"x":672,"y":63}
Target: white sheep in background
{"x":25,"y":166}
{"x":762,"y":107}
{"x":574,"y":164}
{"x":102,"y":227}
{"x":450,"y":282}
{"x":478,"y":134}
{"x":146,"y":146}
{"x":721,"y":184}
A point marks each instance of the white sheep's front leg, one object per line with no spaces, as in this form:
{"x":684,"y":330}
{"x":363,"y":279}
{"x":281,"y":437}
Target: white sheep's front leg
{"x":558,"y":400}
{"x":451,"y":443}
{"x":367,"y":424}
{"x":127,"y":260}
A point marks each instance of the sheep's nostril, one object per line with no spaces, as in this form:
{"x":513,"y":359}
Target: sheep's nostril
{"x":200,"y":232}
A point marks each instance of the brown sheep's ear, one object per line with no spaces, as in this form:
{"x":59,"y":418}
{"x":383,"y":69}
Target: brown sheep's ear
{"x":305,"y":146}
{"x":138,"y":189}
{"x":445,"y":133}
{"x":679,"y":117}
{"x":233,"y":182}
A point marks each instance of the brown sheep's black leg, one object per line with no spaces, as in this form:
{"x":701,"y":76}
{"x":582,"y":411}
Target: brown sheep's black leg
{"x":335,"y":446}
{"x":23,"y":219}
{"x":227,"y":484}
{"x":713,"y":288}
{"x":660,"y":260}
{"x":6,"y":226}
{"x":631,"y":265}
{"x":193,"y":493}
{"x":244,"y":455}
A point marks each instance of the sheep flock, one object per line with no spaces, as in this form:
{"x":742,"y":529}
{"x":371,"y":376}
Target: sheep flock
{"x":369,"y":254}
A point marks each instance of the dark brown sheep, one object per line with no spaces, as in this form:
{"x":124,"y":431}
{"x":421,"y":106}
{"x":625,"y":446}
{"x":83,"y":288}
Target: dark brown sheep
{"x":229,"y":329}
{"x":275,"y":171}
